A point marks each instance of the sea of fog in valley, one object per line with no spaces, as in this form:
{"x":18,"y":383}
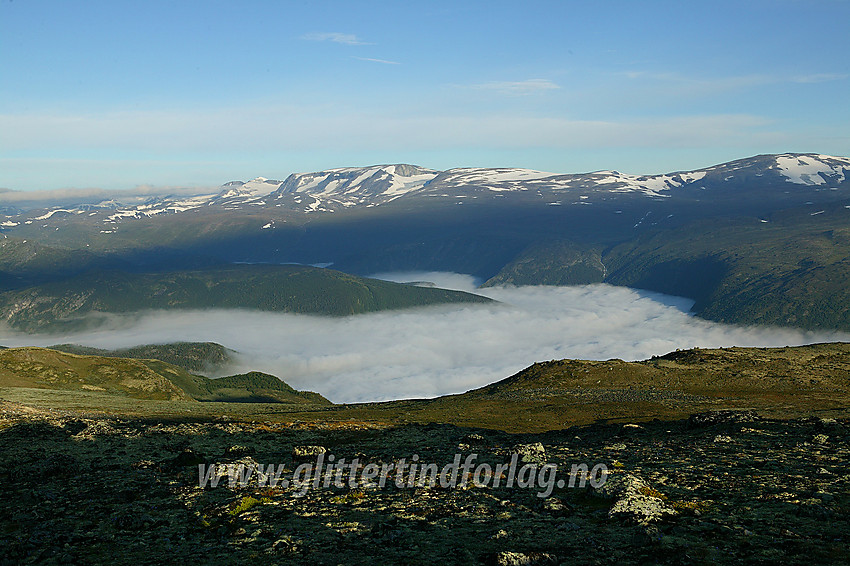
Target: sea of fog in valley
{"x":439,"y":350}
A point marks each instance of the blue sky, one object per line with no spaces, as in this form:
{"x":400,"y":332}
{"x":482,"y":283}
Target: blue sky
{"x":118,"y":94}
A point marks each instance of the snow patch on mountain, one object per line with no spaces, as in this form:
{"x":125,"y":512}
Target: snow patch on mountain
{"x":812,"y":169}
{"x":52,"y":212}
{"x":254,"y":188}
{"x":477,"y":175}
{"x":356,"y":185}
{"x":649,"y":185}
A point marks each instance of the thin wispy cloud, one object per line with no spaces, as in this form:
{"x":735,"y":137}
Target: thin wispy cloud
{"x":343,"y":38}
{"x":520,"y":88}
{"x":371,"y":60}
{"x":732,"y":82}
{"x":63,"y":197}
{"x":701,"y":82}
{"x":258,"y":128}
{"x":820,"y":78}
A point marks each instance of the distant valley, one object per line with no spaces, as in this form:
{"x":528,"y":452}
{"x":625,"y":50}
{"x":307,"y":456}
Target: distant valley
{"x":711,"y":235}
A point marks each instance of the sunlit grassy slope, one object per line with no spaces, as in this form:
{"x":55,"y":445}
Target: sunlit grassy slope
{"x":142,"y":379}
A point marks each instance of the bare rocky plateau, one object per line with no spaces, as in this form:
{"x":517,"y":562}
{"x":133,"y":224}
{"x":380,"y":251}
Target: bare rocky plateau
{"x":731,"y":487}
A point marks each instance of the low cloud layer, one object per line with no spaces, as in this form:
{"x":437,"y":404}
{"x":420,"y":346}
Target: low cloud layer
{"x":439,"y":350}
{"x":72,"y":196}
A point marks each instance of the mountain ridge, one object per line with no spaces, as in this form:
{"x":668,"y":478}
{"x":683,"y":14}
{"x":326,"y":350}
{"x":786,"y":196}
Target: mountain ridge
{"x":333,"y":190}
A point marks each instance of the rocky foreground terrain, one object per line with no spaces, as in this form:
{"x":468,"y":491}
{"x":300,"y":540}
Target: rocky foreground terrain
{"x":722,"y":487}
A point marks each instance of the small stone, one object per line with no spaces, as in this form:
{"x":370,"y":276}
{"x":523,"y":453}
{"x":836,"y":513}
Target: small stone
{"x":237,"y":451}
{"x":284,"y":545}
{"x":827,"y":424}
{"x":556,"y":507}
{"x":188,"y":458}
{"x":722,"y":439}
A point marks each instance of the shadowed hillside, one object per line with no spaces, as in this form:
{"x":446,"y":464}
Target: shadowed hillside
{"x":279,"y":288}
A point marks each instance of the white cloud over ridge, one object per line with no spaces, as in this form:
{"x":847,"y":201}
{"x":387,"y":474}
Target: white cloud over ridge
{"x":440,"y":350}
{"x":95,"y":195}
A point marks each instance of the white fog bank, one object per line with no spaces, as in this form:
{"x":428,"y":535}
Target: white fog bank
{"x":439,"y":350}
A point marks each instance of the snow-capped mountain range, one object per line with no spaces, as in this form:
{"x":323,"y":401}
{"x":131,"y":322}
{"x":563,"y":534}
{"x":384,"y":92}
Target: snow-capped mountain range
{"x":335,"y":190}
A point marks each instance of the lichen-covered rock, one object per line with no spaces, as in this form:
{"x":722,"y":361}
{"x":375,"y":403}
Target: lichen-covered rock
{"x":242,"y":473}
{"x":635,"y":501}
{"x":309,"y":451}
{"x":620,"y":485}
{"x":642,"y":509}
{"x":722,"y":417}
{"x":519,"y":559}
{"x":533,"y":453}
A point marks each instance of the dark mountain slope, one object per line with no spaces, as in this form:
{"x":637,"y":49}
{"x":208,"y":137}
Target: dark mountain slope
{"x":287,"y":288}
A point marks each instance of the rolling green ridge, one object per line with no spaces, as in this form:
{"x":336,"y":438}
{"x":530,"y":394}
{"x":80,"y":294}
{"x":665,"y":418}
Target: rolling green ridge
{"x":287,"y":288}
{"x":192,"y":356}
{"x":143,"y":379}
{"x":552,"y":395}
{"x":257,"y":387}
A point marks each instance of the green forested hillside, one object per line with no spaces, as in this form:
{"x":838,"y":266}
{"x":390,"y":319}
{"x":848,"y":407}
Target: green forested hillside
{"x":791,"y":269}
{"x":552,"y":263}
{"x":280,"y":288}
